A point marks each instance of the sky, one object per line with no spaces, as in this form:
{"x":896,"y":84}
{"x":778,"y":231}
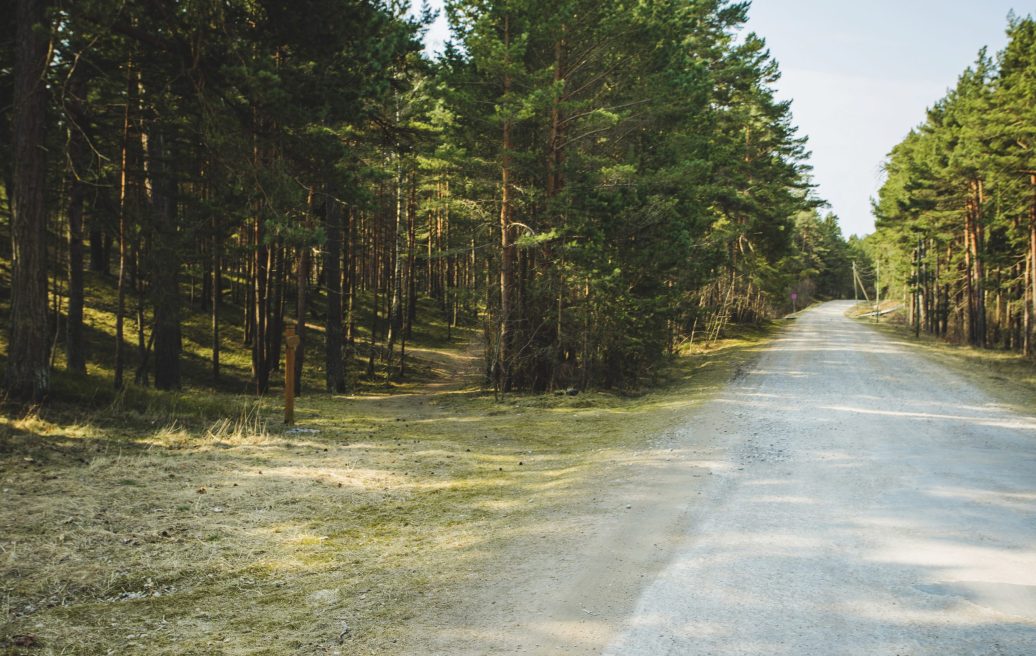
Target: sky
{"x":860,"y":75}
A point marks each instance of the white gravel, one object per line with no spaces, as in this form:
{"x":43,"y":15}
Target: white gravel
{"x":871,"y":502}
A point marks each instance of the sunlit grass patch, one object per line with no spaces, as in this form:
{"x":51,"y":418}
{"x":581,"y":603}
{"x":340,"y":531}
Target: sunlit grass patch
{"x":201,"y":525}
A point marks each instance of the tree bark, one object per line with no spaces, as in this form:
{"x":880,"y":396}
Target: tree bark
{"x":260,"y":304}
{"x":411,"y":263}
{"x":165,"y":267}
{"x":333,"y":363}
{"x":969,"y":277}
{"x":217,"y":294}
{"x":395,"y":313}
{"x":979,"y":246}
{"x":349,"y":275}
{"x":410,"y":311}
{"x":120,"y":294}
{"x":1031,"y":312}
{"x":27,"y":376}
{"x":75,"y":346}
{"x":506,"y":248}
{"x":275,"y":325}
{"x":301,"y":284}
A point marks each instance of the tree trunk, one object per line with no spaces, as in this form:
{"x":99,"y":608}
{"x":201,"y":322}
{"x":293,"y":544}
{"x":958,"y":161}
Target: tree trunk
{"x":165,"y":266}
{"x":349,"y":276}
{"x":217,"y":294}
{"x":506,"y":248}
{"x":75,"y":346}
{"x":1028,"y":303}
{"x":375,"y":282}
{"x":120,"y":294}
{"x":554,"y":151}
{"x":411,"y":264}
{"x":333,"y":364}
{"x":410,"y":311}
{"x":259,"y":310}
{"x":248,"y":284}
{"x":1031,"y":311}
{"x":979,"y":246}
{"x":301,"y":283}
{"x":27,"y":375}
{"x":275,"y":325}
{"x":969,"y":277}
{"x":395,"y":313}
{"x":371,"y":344}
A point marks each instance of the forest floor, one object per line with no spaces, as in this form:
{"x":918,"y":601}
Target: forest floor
{"x":384,"y":523}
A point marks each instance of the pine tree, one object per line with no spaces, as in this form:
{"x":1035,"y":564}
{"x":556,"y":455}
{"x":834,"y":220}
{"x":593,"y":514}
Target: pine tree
{"x":27,"y":375}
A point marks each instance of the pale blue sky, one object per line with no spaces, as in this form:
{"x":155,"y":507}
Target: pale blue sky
{"x":861,"y":74}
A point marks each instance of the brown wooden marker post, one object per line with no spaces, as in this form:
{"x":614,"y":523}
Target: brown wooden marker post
{"x":291,"y":340}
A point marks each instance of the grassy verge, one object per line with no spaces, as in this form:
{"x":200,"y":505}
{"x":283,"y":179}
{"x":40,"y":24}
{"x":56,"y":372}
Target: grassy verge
{"x":238,"y":537}
{"x":1006,"y":375}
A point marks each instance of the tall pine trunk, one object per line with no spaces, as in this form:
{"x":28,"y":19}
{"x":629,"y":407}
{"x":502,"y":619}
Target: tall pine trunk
{"x":301,"y":285}
{"x":395,"y":313}
{"x":506,"y":248}
{"x":554,"y":182}
{"x":27,"y":375}
{"x":260,"y":303}
{"x":978,"y":244}
{"x":217,"y":294}
{"x":349,"y":277}
{"x":1030,"y":313}
{"x":165,"y":266}
{"x":120,"y":294}
{"x":333,"y":363}
{"x":75,"y":346}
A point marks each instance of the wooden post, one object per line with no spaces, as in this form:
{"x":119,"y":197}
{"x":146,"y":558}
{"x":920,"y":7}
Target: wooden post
{"x":291,"y":340}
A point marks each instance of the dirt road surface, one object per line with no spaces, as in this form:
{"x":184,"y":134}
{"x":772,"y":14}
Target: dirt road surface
{"x":846,"y":495}
{"x":871,"y":503}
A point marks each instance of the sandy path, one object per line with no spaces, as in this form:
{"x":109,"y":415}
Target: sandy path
{"x":845,"y":496}
{"x":871,"y":503}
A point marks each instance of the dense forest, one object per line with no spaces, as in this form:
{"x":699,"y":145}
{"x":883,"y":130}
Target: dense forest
{"x":592,"y":184}
{"x":956,"y":216}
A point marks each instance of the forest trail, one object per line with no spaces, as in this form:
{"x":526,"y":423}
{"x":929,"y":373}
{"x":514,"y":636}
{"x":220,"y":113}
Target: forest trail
{"x":859,"y":499}
{"x":451,"y":369}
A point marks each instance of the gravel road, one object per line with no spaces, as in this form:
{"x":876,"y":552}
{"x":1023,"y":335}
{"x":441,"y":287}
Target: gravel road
{"x":869,"y":502}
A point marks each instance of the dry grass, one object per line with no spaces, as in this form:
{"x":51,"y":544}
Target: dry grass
{"x":238,"y":537}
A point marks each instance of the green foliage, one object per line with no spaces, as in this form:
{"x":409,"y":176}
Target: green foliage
{"x":648,"y":141}
{"x":657,"y":190}
{"x":956,"y":211}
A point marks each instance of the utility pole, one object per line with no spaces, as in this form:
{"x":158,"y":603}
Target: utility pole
{"x":856,"y":293}
{"x":877,"y":290}
{"x":858,"y":286}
